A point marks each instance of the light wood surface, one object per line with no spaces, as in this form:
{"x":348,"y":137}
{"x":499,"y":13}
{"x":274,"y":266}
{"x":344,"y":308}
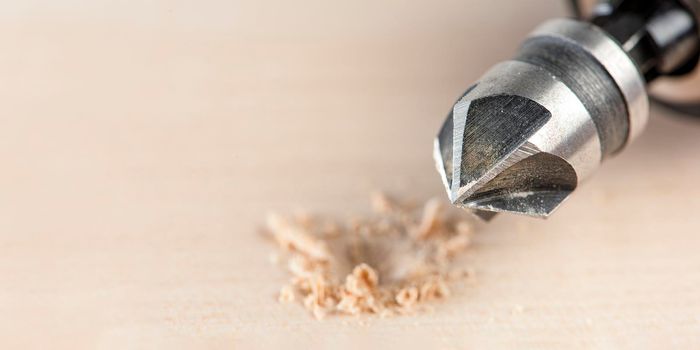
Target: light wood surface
{"x":142,"y":142}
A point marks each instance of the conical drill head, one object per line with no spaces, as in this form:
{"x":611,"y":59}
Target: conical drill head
{"x":489,"y":162}
{"x":533,"y":127}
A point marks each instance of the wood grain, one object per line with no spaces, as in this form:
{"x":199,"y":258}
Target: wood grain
{"x":143,"y":142}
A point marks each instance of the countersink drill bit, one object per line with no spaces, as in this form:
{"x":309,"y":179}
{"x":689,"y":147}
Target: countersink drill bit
{"x":531,"y":129}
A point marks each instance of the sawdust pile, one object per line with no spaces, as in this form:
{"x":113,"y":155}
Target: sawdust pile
{"x":393,"y":262}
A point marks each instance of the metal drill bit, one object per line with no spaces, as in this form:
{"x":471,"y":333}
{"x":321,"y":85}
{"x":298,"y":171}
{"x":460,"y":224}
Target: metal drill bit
{"x":524,"y":137}
{"x":531,"y":129}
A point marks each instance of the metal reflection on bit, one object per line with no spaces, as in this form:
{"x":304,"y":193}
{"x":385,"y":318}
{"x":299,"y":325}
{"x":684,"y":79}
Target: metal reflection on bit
{"x":524,"y":136}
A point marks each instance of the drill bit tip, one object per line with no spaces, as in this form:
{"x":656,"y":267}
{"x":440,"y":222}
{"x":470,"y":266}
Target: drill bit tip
{"x":488,"y":164}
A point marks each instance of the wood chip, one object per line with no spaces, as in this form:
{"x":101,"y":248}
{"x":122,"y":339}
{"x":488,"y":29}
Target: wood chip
{"x":337,"y":268}
{"x":457,"y":244}
{"x":293,"y":236}
{"x":287,"y":294}
{"x":407,"y":297}
{"x":362,"y":281}
{"x":434,"y":288}
{"x":431,"y":222}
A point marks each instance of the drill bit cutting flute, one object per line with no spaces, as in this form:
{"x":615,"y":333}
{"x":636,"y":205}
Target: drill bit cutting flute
{"x":523,"y":137}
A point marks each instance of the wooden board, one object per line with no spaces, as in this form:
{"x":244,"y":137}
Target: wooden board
{"x":142,"y":144}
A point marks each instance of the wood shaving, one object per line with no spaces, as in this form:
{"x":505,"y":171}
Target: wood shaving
{"x":393,"y":262}
{"x":296,"y":236}
{"x":287,"y":295}
{"x":431,"y":223}
{"x":407,"y":297}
